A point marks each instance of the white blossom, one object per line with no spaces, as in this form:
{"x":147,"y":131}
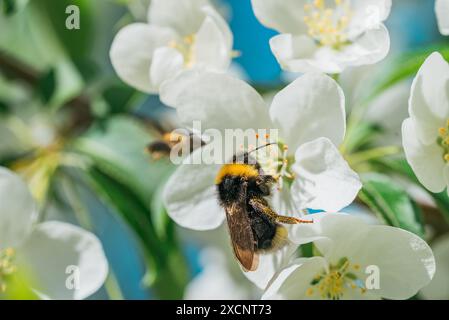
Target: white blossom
{"x":179,"y":35}
{"x":46,"y":251}
{"x":355,"y":261}
{"x":326,"y":35}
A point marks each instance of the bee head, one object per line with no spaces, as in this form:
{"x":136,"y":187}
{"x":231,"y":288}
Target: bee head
{"x":246,"y":158}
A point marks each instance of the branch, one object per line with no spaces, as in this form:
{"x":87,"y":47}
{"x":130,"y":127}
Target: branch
{"x":79,"y":106}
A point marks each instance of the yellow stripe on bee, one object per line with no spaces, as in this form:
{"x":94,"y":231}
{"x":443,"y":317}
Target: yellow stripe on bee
{"x":236,"y":169}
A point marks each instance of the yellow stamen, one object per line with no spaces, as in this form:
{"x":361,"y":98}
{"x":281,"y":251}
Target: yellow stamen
{"x":309,"y":292}
{"x":328,"y":25}
{"x":7,"y":268}
{"x":443,"y":140}
{"x":333,"y":283}
{"x":185,"y":46}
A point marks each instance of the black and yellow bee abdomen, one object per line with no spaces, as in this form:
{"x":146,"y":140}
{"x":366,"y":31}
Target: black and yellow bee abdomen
{"x":268,"y":234}
{"x":242,"y":184}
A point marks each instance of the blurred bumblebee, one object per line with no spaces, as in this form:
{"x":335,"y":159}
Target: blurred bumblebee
{"x":254,"y":227}
{"x":173,"y":141}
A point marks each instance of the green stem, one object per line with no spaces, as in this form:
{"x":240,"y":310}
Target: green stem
{"x":112,"y":287}
{"x":375,"y":153}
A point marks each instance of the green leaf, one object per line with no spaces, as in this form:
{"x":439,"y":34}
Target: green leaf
{"x":119,"y":149}
{"x":167,"y":265}
{"x":391,"y":203}
{"x":406,"y":66}
{"x":401,"y":166}
{"x":9,"y":7}
{"x":361,"y":136}
{"x":77,"y":42}
{"x":4,"y":108}
{"x":47,"y":85}
{"x":118,"y":97}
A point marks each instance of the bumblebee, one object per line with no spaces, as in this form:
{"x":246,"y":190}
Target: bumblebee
{"x":162,"y":148}
{"x":254,"y":227}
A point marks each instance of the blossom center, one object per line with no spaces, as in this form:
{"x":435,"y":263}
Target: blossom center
{"x":185,"y":46}
{"x":443,"y":140}
{"x":327,"y":23}
{"x":7,"y":267}
{"x":333,"y":283}
{"x":275,"y":161}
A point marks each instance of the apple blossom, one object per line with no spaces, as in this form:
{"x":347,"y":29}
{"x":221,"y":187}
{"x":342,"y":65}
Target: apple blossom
{"x":326,"y":35}
{"x":425,"y":134}
{"x":180,"y":35}
{"x":45,"y":251}
{"x":356,"y":261}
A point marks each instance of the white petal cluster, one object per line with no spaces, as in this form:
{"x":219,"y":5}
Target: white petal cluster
{"x":425,"y":134}
{"x":45,"y":252}
{"x":179,"y":35}
{"x":326,"y":35}
{"x":356,"y":261}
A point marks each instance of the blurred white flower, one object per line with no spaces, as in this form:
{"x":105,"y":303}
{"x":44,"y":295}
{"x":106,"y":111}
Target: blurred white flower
{"x":356,"y":261}
{"x":438,"y":288}
{"x":425,"y":134}
{"x":442,"y":12}
{"x":326,"y":35}
{"x":387,"y":110}
{"x":310,"y":116}
{"x":217,"y":281}
{"x":180,"y":34}
{"x":46,"y":250}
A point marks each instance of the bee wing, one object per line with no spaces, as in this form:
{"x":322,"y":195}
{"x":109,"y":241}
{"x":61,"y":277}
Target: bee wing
{"x":242,"y":237}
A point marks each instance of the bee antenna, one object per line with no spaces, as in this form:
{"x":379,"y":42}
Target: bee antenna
{"x":264,"y":146}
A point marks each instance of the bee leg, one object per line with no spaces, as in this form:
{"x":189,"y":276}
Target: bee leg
{"x":290,"y":220}
{"x":261,"y":206}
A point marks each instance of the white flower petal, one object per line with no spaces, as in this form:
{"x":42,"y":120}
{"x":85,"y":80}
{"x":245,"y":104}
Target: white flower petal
{"x":368,"y":14}
{"x":301,"y":54}
{"x":221,"y":24}
{"x":286,"y":16}
{"x":219,"y":101}
{"x":210,"y":49}
{"x":166,"y":64}
{"x":426,"y":160}
{"x":53,"y":249}
{"x":310,"y":107}
{"x":132,"y":50}
{"x":293,"y":281}
{"x":326,"y":229}
{"x":429,"y":100}
{"x":323,"y":179}
{"x":438,"y":288}
{"x":405,"y":261}
{"x":298,"y":53}
{"x":190,"y":196}
{"x":17,"y":209}
{"x":388,"y":111}
{"x":270,"y":264}
{"x":370,"y":48}
{"x":442,"y":12}
{"x":184,"y":16}
{"x":281,"y":201}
